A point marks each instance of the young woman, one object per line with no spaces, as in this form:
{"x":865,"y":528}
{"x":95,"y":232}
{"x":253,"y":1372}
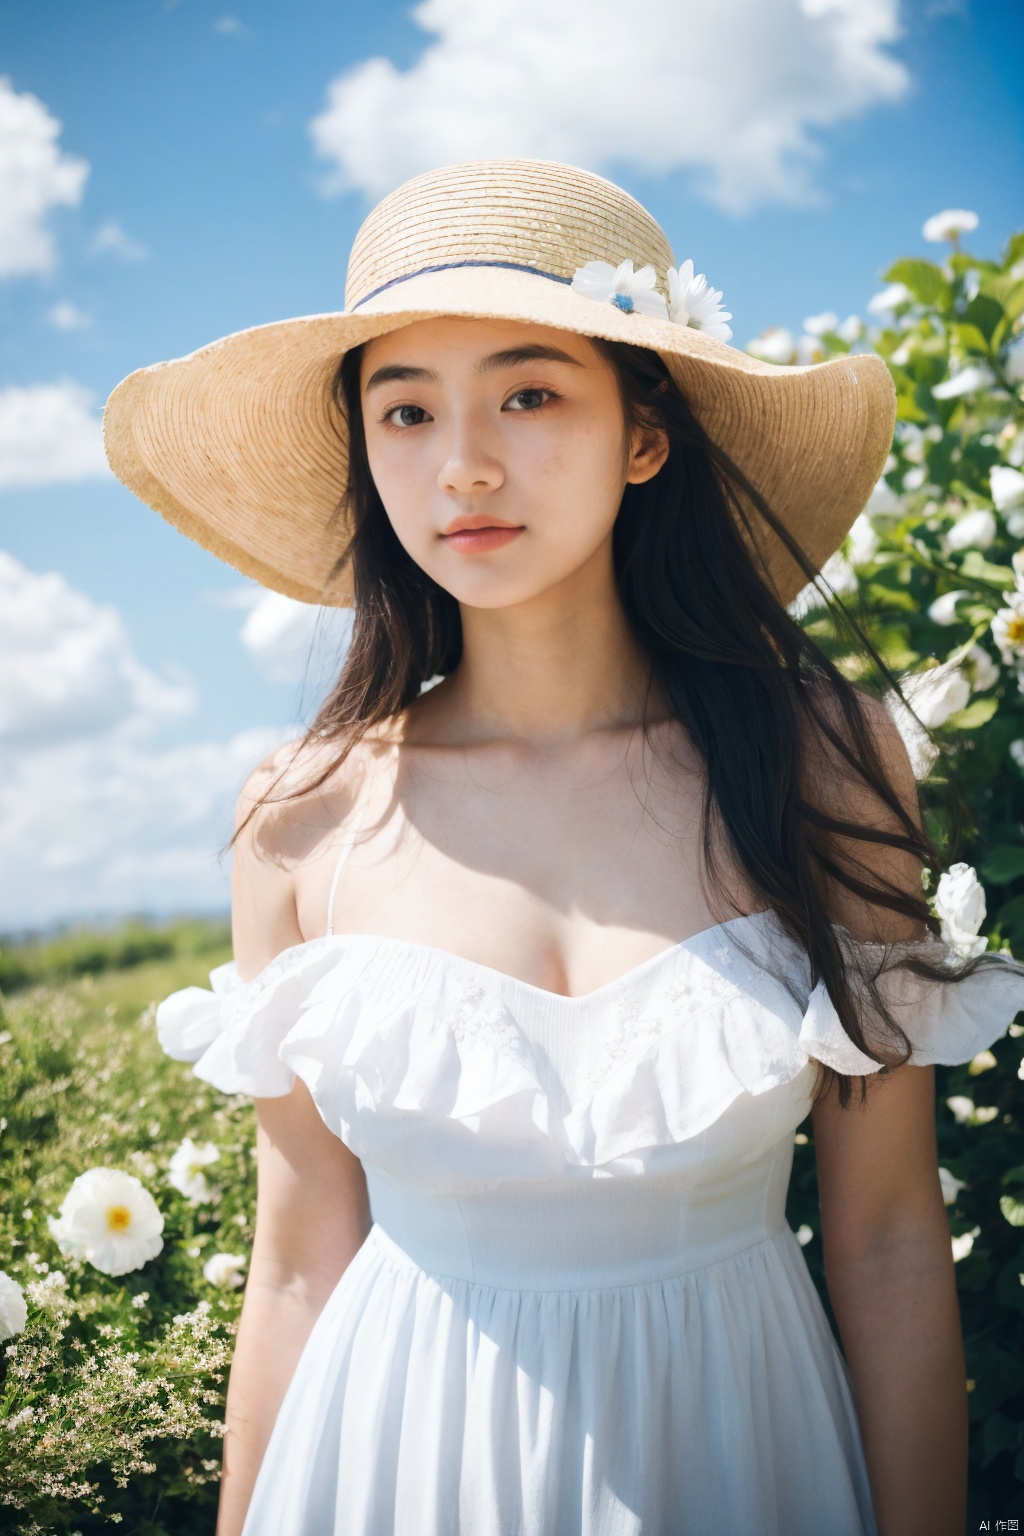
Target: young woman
{"x":540,"y":967}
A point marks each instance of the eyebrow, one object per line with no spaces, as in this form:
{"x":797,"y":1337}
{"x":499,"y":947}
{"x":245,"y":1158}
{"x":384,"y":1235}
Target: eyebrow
{"x":513,"y":357}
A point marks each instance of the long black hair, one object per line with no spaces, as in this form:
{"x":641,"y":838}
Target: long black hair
{"x":734,"y":667}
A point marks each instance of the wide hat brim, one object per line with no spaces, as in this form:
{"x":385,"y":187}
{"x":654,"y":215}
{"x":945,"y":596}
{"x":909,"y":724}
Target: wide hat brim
{"x":241,"y":446}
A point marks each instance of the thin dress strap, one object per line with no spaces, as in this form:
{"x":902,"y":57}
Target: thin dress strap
{"x":346,"y":848}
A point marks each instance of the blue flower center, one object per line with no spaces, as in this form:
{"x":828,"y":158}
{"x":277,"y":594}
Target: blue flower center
{"x":624,"y":302}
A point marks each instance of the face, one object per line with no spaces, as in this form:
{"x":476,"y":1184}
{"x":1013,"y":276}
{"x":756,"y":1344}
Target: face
{"x":500,"y":452}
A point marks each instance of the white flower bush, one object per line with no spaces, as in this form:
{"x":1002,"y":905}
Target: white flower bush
{"x":226,"y":1269}
{"x":13,"y":1309}
{"x":960,"y":905}
{"x":109,"y":1219}
{"x":185,"y":1170}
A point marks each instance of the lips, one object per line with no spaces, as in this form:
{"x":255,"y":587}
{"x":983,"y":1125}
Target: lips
{"x":478,"y":533}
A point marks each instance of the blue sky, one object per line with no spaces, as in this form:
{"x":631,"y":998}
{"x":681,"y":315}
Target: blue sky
{"x":205,"y":210}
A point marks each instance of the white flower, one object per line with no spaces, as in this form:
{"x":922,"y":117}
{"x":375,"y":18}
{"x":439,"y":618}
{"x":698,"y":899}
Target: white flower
{"x":185,"y":1170}
{"x":851,"y":329}
{"x":820,"y":325}
{"x":628,"y":290}
{"x":883,"y":499}
{"x":981,"y":668}
{"x":1016,"y":750}
{"x":864,"y":540}
{"x":803,"y":1234}
{"x":951,"y":1186}
{"x":1015,"y":361}
{"x":975,"y":530}
{"x":1008,"y":628}
{"x":915,"y":478}
{"x":966,"y":1112}
{"x":890,"y":299}
{"x":809,"y":349}
{"x":692,"y":301}
{"x":13,"y":1311}
{"x":960,"y":904}
{"x":949,"y":225}
{"x":109,"y":1220}
{"x":984,"y":1061}
{"x":225,"y":1269}
{"x":936,"y":694}
{"x":943,"y":609}
{"x":967,"y":382}
{"x":1017,"y":561}
{"x":963,"y":1245}
{"x":1007,"y":487}
{"x":775,"y":345}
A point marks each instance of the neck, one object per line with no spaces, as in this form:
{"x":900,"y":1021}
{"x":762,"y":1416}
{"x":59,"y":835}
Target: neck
{"x":550,"y":670}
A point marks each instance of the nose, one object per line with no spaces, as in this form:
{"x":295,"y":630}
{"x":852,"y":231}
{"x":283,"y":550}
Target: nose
{"x":470,"y":466}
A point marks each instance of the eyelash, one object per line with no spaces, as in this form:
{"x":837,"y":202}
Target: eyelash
{"x":549,"y":395}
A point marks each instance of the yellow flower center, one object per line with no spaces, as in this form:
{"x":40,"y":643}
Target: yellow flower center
{"x":119,"y":1218}
{"x":1015,"y":630}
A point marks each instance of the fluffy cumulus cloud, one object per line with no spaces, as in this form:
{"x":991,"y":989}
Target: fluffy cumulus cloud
{"x":49,"y":434}
{"x":735,"y":92}
{"x":36,"y":176}
{"x":293,"y":642}
{"x":96,"y":814}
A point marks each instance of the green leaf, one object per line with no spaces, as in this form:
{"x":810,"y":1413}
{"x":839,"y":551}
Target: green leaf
{"x":985,"y":312}
{"x":1010,"y":920}
{"x":1014,"y":1175}
{"x":974,"y":564}
{"x":970,"y":338}
{"x":999,"y":1434}
{"x":1004,"y":864}
{"x":1013,"y":1210}
{"x":979,"y":712}
{"x":923,"y":278}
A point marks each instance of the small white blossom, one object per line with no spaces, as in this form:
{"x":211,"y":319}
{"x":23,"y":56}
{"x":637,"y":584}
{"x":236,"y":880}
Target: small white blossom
{"x":775,"y":345}
{"x":809,"y":349}
{"x":951,"y":1186}
{"x":225,"y":1269}
{"x":628,"y":290}
{"x":883,"y":500}
{"x":693,"y":301}
{"x":851,"y":330}
{"x":981,"y":668}
{"x":185,"y":1170}
{"x":975,"y":530}
{"x":820,"y":325}
{"x":962,"y":1245}
{"x":936,"y":694}
{"x":13,"y":1311}
{"x":943,"y":609}
{"x":966,"y":1112}
{"x":803,"y":1234}
{"x":1014,"y":369}
{"x":915,"y":478}
{"x":1008,"y":628}
{"x":984,"y":1061}
{"x":1007,"y":487}
{"x":975,"y":377}
{"x":109,"y":1219}
{"x":864,"y":540}
{"x":960,"y":904}
{"x":950,"y":224}
{"x":890,"y":299}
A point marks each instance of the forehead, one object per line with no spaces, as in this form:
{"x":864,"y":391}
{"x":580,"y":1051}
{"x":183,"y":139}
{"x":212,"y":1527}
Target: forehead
{"x":455,"y":343}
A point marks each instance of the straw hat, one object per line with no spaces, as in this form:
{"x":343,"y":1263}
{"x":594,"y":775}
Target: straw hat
{"x":241,"y":447}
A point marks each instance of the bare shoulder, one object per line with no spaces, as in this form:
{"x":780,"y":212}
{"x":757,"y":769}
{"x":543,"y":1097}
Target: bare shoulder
{"x":872,"y":825}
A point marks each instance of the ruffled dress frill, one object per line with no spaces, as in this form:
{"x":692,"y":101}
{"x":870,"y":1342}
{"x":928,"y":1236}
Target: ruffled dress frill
{"x":580,"y":1308}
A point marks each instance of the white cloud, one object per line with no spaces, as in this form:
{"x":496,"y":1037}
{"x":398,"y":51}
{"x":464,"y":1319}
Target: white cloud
{"x":67,"y":668}
{"x":35,"y":177}
{"x":293,"y":642}
{"x":111,"y":240}
{"x":65,"y":316}
{"x":733,"y":91}
{"x":231,"y":26}
{"x":49,"y":435}
{"x":95,"y":816}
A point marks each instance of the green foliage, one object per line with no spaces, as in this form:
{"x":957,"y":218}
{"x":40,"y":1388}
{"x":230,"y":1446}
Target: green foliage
{"x":85,"y":952}
{"x":911,"y":547}
{"x":111,"y":1400}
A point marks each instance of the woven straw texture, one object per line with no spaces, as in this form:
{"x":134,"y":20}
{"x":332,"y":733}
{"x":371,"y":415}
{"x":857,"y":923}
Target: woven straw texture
{"x":240,"y":446}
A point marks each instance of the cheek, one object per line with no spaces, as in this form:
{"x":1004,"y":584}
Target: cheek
{"x":577,"y":478}
{"x":403,"y":478}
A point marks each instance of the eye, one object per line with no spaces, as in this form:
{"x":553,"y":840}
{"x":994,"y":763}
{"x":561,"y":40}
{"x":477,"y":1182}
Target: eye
{"x":529,"y":399}
{"x":406,"y":416}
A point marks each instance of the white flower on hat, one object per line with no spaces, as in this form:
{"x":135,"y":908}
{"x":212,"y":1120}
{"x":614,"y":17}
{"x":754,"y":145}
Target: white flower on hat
{"x":950,"y":224}
{"x":109,"y":1220}
{"x":1007,"y":487}
{"x":13,"y":1311}
{"x":225,"y":1269}
{"x":960,"y":904}
{"x":185,"y":1170}
{"x":632,"y":292}
{"x":693,"y":301}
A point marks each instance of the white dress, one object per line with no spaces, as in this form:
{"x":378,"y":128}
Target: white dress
{"x":580,"y":1310}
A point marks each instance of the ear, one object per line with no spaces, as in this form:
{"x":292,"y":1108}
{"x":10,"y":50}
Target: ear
{"x":648,"y":452}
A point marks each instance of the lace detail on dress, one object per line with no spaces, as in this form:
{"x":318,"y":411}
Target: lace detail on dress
{"x":470,"y":1021}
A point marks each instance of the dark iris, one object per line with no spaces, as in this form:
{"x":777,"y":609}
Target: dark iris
{"x":410,"y":415}
{"x":529,"y":399}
